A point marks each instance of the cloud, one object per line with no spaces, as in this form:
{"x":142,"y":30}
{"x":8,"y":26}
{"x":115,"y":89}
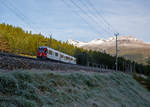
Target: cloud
{"x":131,"y":17}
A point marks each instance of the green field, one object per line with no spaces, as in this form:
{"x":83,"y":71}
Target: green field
{"x":76,"y":89}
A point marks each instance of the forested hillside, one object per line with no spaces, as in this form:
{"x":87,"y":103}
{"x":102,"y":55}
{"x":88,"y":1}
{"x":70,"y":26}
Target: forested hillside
{"x":16,"y":40}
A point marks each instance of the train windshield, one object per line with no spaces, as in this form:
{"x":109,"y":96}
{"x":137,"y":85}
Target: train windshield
{"x":41,"y":50}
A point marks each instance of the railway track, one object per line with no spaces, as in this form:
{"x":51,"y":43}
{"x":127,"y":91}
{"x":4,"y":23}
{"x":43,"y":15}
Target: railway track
{"x":12,"y":61}
{"x":14,"y":55}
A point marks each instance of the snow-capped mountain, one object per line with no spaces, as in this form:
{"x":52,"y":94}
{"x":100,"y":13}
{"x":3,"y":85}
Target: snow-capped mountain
{"x":76,"y":43}
{"x":125,"y":38}
{"x":128,"y":46}
{"x":106,"y":42}
{"x":80,"y":44}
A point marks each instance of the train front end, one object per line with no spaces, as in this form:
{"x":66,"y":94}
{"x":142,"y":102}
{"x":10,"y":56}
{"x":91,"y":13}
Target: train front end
{"x":42,"y":53}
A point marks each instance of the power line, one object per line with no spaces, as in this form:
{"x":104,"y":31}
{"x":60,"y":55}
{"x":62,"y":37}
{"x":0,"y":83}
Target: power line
{"x":89,"y":16}
{"x":96,"y":17}
{"x":96,"y":10}
{"x":17,"y":12}
{"x":84,"y":19}
{"x":109,"y":25}
{"x":20,"y":17}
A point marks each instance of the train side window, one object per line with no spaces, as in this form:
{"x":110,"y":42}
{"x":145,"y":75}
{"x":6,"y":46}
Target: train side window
{"x":74,"y":60}
{"x":66,"y":58}
{"x":56,"y":54}
{"x":50,"y":52}
{"x":61,"y":56}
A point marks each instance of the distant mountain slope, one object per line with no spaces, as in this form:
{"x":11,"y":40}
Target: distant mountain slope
{"x":129,"y":47}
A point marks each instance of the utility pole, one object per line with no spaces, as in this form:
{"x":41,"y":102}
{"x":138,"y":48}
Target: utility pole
{"x":116,"y":34}
{"x":134,"y":68}
{"x":50,"y":41}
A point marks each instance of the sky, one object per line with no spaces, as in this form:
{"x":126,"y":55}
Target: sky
{"x":82,"y":20}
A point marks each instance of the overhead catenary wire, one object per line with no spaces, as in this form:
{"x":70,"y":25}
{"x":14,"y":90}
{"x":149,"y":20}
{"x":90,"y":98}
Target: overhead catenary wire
{"x":97,"y":11}
{"x":96,"y":17}
{"x":19,"y":11}
{"x":89,"y":16}
{"x":11,"y":7}
{"x":109,"y":25}
{"x":100,"y":14}
{"x":83,"y":18}
{"x":16,"y":14}
{"x":93,"y":18}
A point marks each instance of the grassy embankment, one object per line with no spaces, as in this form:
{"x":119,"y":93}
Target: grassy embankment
{"x":77,"y":89}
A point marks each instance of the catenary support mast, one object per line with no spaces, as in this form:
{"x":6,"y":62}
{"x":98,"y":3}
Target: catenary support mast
{"x":50,"y":40}
{"x":116,"y":63}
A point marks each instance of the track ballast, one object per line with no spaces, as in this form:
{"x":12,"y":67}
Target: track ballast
{"x":12,"y":61}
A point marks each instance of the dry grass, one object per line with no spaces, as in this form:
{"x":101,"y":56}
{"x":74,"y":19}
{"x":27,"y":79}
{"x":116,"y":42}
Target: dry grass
{"x":76,"y":89}
{"x":31,"y":56}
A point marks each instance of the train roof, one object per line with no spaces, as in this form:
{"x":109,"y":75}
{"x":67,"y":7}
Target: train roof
{"x":43,"y":47}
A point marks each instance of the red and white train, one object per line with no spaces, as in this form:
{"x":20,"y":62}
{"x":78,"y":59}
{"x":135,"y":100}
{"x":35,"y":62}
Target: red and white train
{"x":44,"y":52}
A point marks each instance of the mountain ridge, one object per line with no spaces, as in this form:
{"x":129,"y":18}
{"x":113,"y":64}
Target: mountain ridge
{"x":100,"y":41}
{"x":127,"y":45}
